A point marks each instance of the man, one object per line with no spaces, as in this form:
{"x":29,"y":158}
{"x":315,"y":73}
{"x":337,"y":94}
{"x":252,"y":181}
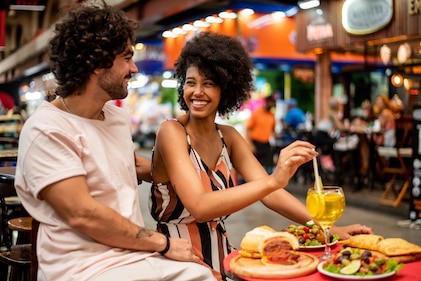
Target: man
{"x":293,"y":121}
{"x":260,"y":129}
{"x":77,"y":173}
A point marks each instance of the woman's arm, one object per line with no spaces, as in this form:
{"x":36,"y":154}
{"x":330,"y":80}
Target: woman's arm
{"x":281,"y":201}
{"x":205,"y":206}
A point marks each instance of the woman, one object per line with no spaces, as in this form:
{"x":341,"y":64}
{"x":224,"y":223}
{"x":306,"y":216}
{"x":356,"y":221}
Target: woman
{"x":386,"y":119}
{"x":193,"y":161}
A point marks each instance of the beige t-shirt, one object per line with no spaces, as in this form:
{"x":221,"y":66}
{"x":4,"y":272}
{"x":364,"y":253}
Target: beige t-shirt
{"x":55,"y":145}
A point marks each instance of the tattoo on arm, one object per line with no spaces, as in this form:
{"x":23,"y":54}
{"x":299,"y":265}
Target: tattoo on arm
{"x":143,"y":232}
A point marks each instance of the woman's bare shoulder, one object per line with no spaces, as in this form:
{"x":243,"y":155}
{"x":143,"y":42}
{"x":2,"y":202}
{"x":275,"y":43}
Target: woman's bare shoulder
{"x":227,"y":129}
{"x":230,"y":134}
{"x":170,"y":124}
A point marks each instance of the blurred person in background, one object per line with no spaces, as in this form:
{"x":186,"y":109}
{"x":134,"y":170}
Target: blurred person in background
{"x":77,"y":172}
{"x":6,"y":103}
{"x":194,"y":159}
{"x":326,"y":134}
{"x":362,"y":125}
{"x":260,"y":130}
{"x":386,"y":121}
{"x":366,"y":117}
{"x":293,"y":122}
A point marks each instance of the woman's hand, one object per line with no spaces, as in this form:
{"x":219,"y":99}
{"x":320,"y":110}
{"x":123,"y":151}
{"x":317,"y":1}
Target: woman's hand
{"x":292,"y":157}
{"x":345,"y":232}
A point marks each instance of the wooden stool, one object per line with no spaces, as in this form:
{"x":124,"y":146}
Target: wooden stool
{"x":8,"y":205}
{"x":24,"y":226}
{"x":18,"y":257}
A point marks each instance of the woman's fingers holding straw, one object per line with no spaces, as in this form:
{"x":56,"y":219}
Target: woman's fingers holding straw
{"x":294,"y":155}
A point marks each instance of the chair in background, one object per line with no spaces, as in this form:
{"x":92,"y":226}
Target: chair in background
{"x":7,"y":190}
{"x":15,"y":260}
{"x":396,"y":162}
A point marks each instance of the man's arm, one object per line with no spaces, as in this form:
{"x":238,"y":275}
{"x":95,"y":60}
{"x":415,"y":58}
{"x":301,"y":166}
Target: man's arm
{"x":71,"y":200}
{"x":143,"y":168}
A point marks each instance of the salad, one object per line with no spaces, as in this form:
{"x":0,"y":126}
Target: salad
{"x":354,"y":261}
{"x":310,"y":234}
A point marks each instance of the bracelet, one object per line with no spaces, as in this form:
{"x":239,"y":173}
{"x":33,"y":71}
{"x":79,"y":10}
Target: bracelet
{"x":167,"y":247}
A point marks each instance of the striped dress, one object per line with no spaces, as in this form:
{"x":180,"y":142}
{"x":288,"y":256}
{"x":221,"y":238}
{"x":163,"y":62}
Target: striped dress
{"x":209,"y":239}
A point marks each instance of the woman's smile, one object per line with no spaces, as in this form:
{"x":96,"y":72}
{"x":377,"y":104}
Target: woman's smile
{"x":199,"y":103}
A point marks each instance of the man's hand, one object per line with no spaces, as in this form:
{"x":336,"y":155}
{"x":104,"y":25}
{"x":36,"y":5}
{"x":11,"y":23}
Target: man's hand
{"x":143,"y":168}
{"x":181,"y":250}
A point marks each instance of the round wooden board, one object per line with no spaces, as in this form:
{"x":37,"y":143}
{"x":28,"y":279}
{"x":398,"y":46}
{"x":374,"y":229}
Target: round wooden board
{"x":257,"y":269}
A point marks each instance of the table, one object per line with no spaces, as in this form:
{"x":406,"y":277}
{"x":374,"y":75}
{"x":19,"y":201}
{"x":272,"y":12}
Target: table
{"x":410,"y":272}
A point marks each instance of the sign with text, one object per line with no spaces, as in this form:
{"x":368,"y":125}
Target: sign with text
{"x":366,"y":16}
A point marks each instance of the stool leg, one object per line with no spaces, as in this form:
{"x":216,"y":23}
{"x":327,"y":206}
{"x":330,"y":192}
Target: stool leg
{"x":4,"y":269}
{"x":19,"y":274}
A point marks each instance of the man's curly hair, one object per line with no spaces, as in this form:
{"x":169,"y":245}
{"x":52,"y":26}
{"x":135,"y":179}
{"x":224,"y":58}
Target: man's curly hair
{"x":221,"y":59}
{"x":88,"y":37}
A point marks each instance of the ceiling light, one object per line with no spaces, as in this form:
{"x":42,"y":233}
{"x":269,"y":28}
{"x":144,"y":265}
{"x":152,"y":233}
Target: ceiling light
{"x":396,"y":80}
{"x":139,"y":46}
{"x":227,"y":15}
{"x":188,"y":27}
{"x":38,"y":8}
{"x":213,"y":19}
{"x":200,"y":24}
{"x":247,"y":12}
{"x":178,"y":31}
{"x":308,"y":4}
{"x":168,"y":34}
{"x":278,"y":15}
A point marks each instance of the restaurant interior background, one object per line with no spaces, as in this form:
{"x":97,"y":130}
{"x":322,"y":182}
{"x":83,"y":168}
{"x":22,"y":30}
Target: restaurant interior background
{"x":309,"y":55}
{"x":288,"y":46}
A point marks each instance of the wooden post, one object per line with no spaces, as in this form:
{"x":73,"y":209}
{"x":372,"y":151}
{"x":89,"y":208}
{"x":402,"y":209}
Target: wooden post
{"x":323,"y":86}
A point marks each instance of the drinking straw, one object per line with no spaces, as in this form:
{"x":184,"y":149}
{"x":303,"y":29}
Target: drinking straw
{"x":316,"y":175}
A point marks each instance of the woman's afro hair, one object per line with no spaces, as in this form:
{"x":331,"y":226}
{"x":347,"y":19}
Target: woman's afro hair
{"x":223,"y":60}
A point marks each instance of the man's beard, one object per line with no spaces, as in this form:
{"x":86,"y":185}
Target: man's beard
{"x":108,"y":82}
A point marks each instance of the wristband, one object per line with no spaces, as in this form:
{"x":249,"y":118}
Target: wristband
{"x":167,"y":247}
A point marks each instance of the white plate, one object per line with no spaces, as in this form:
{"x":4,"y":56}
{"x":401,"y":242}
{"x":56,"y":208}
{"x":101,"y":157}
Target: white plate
{"x":318,"y":247}
{"x":352,"y":277}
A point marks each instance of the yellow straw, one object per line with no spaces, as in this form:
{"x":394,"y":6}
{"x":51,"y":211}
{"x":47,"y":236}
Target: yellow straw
{"x":316,"y":175}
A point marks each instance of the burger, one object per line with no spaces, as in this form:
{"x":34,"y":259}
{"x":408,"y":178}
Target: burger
{"x":250,"y":243}
{"x":279,"y":248}
{"x":270,"y":246}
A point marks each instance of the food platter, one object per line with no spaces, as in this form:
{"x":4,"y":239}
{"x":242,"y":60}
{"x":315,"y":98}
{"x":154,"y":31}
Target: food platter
{"x":318,"y":247}
{"x":255,"y":268}
{"x":352,"y":277}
